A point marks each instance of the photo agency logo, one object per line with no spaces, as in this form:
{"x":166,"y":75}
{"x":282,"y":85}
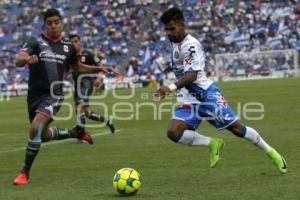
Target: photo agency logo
{"x":133,"y":104}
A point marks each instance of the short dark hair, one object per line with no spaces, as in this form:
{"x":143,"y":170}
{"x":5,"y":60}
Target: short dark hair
{"x":73,"y":36}
{"x":51,"y":12}
{"x":172,"y":14}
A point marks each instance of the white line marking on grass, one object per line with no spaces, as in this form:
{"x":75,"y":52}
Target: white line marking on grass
{"x":58,"y":142}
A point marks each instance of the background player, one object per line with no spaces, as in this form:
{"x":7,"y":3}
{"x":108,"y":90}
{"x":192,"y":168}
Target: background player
{"x":83,"y":84}
{"x":158,"y":69}
{"x":47,"y":56}
{"x":200,"y":97}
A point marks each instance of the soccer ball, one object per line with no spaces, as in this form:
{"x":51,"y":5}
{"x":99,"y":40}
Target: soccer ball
{"x":127,"y":181}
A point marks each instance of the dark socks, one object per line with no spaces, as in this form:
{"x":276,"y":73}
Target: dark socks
{"x":96,"y":117}
{"x":31,"y":152}
{"x":64,"y":133}
{"x":80,"y":121}
{"x":32,"y":149}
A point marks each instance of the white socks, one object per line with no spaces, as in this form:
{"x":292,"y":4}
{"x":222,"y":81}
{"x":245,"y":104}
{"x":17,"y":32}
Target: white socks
{"x":193,"y":138}
{"x":254,"y":137}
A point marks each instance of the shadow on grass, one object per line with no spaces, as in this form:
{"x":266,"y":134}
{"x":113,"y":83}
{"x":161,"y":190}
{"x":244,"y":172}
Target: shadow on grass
{"x":116,"y":195}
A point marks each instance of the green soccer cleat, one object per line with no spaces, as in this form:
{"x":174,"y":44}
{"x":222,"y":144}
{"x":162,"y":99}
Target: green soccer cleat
{"x":110,"y":123}
{"x":215,"y":147}
{"x":278,"y":160}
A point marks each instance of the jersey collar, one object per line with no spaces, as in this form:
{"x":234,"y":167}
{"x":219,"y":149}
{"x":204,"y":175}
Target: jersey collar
{"x":184,"y":37}
{"x":80,"y":51}
{"x":180,"y":43}
{"x":53,"y":40}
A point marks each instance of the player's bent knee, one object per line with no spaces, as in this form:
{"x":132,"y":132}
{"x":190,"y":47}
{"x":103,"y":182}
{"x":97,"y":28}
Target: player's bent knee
{"x":46,"y":135}
{"x":33,"y":130}
{"x":36,"y":130}
{"x":174,"y":135}
{"x":236,"y":131}
{"x":239,"y":131}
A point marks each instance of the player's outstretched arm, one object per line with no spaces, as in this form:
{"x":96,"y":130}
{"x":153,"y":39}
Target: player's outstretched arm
{"x":22,"y":60}
{"x":113,"y":70}
{"x":82,"y":68}
{"x":188,"y":77}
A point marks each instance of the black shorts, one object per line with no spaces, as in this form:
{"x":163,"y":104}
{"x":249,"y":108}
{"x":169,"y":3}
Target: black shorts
{"x":43,"y":104}
{"x":82,"y":93}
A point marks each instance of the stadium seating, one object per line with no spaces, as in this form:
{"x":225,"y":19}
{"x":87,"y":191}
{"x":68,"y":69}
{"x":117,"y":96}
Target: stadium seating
{"x":111,"y":27}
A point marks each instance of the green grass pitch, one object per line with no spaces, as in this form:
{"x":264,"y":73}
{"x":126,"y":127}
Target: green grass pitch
{"x":68,"y":171}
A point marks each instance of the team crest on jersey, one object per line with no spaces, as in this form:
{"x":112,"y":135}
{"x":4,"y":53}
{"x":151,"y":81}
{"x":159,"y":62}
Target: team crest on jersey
{"x":66,"y":48}
{"x":96,"y":59}
{"x":83,"y":59}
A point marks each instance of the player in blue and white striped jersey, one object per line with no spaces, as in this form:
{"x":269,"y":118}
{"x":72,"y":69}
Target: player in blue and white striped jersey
{"x":200,"y":98}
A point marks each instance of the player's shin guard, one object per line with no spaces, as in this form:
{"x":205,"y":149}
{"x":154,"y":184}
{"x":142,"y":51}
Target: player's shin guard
{"x":96,"y":117}
{"x":32,"y":149}
{"x":63,"y":133}
{"x":253,"y":136}
{"x":193,"y":138}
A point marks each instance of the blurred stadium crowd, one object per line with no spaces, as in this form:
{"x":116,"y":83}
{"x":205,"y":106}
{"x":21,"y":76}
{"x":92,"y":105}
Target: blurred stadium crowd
{"x":112,"y":28}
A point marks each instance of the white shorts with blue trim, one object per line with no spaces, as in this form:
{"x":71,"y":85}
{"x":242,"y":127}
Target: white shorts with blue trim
{"x":213,"y":108}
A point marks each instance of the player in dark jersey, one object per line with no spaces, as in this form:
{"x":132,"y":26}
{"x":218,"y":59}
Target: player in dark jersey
{"x":47,"y":56}
{"x":83,"y":84}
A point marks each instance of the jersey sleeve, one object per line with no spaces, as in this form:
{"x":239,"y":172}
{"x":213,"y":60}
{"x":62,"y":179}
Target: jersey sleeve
{"x":73,"y":56}
{"x":193,"y":57}
{"x":93,"y":58}
{"x":29,"y":46}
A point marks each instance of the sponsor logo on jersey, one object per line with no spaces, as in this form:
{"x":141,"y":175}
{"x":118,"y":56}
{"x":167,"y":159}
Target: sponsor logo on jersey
{"x":221,"y":100}
{"x":192,"y":51}
{"x":190,"y":57}
{"x":49,"y":56}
